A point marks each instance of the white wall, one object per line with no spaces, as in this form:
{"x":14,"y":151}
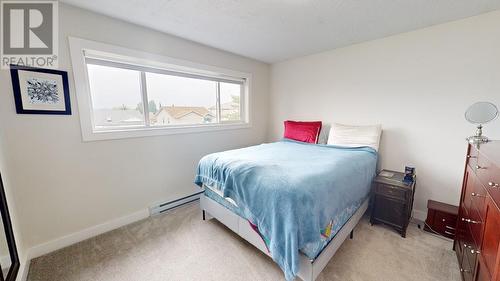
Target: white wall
{"x":13,"y":207}
{"x":63,"y":185}
{"x":416,"y":84}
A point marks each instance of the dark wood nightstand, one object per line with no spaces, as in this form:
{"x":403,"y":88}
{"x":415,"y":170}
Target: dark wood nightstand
{"x":392,"y":201}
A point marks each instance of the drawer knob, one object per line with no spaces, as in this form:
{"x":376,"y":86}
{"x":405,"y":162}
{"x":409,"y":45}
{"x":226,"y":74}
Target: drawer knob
{"x":472,"y":251}
{"x":492,"y":184}
{"x":476,"y":195}
{"x":464,"y":270}
{"x":444,"y":220}
{"x":479,"y":167}
{"x":470,"y":156}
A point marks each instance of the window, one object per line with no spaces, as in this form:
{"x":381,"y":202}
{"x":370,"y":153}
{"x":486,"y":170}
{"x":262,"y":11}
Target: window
{"x":126,"y":96}
{"x":115,"y":95}
{"x":230,"y":102}
{"x":174,"y":100}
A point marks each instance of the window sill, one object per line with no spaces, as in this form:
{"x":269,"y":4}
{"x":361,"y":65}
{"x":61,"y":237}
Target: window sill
{"x":125,"y":133}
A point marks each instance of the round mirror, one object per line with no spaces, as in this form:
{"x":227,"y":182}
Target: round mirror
{"x":481,"y":112}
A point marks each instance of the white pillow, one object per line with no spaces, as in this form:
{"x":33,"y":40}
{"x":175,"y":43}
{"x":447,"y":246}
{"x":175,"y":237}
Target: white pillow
{"x":354,"y":136}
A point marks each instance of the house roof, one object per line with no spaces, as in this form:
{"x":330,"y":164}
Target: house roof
{"x":227,"y":106}
{"x":180,"y":111}
{"x":117,"y":116}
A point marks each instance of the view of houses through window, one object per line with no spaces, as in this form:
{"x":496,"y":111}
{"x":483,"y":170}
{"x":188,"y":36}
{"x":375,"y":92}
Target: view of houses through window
{"x":118,"y":94}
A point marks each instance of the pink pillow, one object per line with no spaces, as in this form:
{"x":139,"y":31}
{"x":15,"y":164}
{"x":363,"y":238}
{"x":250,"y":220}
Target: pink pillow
{"x":302,"y":131}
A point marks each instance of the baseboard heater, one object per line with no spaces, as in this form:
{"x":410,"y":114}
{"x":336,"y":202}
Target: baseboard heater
{"x":164,"y":207}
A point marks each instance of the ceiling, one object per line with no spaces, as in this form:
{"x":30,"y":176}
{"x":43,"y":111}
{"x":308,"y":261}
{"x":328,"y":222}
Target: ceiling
{"x":277,"y":30}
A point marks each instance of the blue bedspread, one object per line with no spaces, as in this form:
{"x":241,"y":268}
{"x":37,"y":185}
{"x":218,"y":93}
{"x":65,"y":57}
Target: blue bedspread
{"x":291,"y":190}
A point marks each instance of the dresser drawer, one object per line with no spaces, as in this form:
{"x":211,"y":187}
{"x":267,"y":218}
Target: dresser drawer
{"x":489,"y":175}
{"x":472,"y":256}
{"x":460,"y":236}
{"x":466,"y":269}
{"x":478,"y":196}
{"x":390,"y":211}
{"x":467,"y":189}
{"x":469,"y":257}
{"x":476,"y":225}
{"x":491,"y":241}
{"x":390,"y":191}
{"x":445,"y":224}
{"x":472,"y":157}
{"x":467,"y":242}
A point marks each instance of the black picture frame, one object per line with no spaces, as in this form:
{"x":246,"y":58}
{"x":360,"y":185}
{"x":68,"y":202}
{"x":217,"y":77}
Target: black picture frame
{"x":9,"y":235}
{"x":14,"y":73}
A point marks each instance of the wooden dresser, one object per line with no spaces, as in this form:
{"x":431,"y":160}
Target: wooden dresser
{"x":478,"y":226}
{"x":441,"y":218}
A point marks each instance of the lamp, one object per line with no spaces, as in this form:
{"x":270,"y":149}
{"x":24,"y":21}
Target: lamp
{"x":480,"y":113}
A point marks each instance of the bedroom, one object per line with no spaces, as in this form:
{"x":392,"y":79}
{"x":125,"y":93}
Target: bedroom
{"x":86,"y":179}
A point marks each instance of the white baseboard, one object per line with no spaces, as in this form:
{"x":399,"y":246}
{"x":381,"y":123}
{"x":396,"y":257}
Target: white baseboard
{"x":90,"y":232}
{"x":24,"y":268}
{"x":419,"y":215}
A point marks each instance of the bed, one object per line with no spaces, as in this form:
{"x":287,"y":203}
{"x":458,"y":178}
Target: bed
{"x":294,"y":201}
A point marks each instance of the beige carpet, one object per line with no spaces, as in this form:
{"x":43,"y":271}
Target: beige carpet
{"x":180,"y":246}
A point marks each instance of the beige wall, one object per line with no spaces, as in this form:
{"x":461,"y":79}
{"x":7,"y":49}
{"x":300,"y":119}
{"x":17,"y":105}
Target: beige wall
{"x":416,"y":84}
{"x":63,"y":185}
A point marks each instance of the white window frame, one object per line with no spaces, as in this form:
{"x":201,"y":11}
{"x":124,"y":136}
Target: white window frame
{"x":81,"y":49}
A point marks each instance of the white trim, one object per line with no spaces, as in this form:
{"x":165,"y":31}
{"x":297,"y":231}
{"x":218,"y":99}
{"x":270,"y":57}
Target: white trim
{"x":87,"y":233}
{"x":147,"y":61}
{"x":68,"y":240}
{"x":24,"y":268}
{"x":419,"y":215}
{"x":160,"y":131}
{"x":80,"y":47}
{"x":145,"y":102}
{"x":173,"y":71}
{"x":218,"y":105}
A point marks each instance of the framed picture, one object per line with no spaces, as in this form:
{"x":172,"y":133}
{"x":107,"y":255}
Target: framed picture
{"x":40,"y":91}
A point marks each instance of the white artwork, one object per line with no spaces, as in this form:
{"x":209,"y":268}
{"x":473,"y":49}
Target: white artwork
{"x":40,"y":91}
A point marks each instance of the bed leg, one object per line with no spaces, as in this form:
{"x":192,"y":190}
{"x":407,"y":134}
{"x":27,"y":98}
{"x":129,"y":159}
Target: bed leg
{"x":203,"y":214}
{"x":352,"y":234}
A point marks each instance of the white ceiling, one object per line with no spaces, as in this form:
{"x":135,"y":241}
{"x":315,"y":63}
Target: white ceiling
{"x":276,"y":30}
